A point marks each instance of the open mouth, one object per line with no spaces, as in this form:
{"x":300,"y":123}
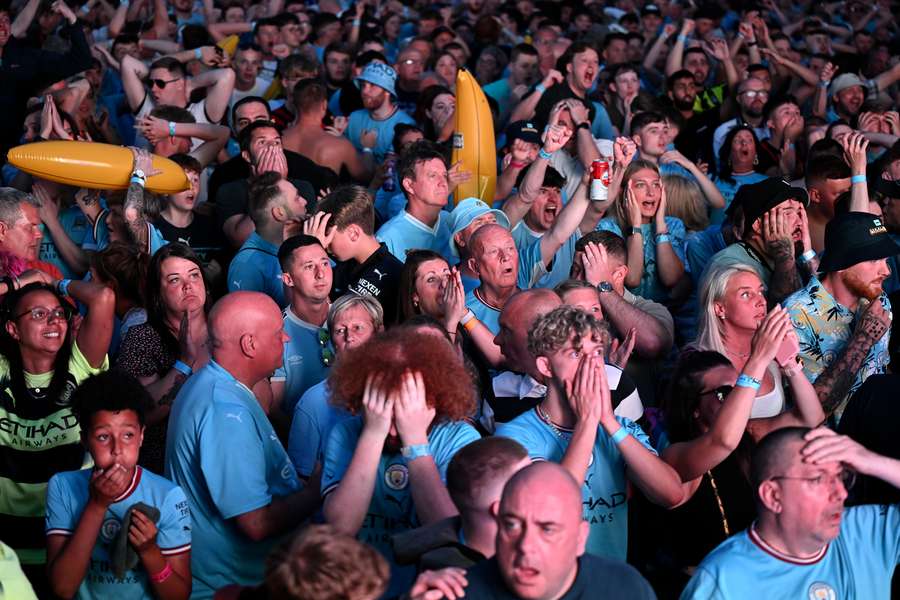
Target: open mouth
{"x":550,"y":211}
{"x":51,"y":335}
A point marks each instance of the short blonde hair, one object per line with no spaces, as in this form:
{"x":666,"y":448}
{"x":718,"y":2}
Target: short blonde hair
{"x":685,"y":200}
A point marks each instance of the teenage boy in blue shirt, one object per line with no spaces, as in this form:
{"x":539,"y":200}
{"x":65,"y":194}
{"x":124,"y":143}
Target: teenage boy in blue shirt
{"x":87,"y":510}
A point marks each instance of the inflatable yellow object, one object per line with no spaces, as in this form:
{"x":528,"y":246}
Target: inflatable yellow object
{"x":229,"y":44}
{"x":93,"y":165}
{"x":473,"y":140}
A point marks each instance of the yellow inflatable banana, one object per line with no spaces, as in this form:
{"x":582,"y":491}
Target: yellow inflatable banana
{"x":93,"y":165}
{"x":473,"y":140}
{"x":229,"y":44}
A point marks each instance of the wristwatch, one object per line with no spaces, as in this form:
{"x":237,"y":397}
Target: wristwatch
{"x":604,"y":286}
{"x":139,"y":174}
{"x":583,"y":125}
{"x":635,"y":231}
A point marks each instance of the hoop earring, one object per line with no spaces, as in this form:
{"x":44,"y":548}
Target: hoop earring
{"x":755,"y":160}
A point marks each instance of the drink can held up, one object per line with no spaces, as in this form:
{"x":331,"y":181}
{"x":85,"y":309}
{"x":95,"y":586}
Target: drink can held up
{"x":600,"y":173}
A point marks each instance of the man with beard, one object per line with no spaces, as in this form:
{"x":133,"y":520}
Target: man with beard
{"x":771,"y":217}
{"x":843,"y":319}
{"x":385,"y":469}
{"x":275,"y":206}
{"x":804,"y":540}
{"x":752,"y":95}
{"x":379,"y":114}
{"x":575,"y":425}
{"x":694,"y":139}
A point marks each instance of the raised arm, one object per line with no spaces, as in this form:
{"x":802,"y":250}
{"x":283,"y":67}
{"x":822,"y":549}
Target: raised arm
{"x":855,"y":146}
{"x":824,"y":445}
{"x":347,"y":505}
{"x":692,"y":458}
{"x":567,"y":222}
{"x":413,"y":416}
{"x":133,"y":74}
{"x":20,"y":26}
{"x":653,"y":339}
{"x":220,"y":84}
{"x":674,"y":61}
{"x":96,"y":331}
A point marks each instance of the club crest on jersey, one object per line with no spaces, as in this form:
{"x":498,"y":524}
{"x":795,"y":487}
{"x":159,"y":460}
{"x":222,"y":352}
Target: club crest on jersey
{"x":396,"y":477}
{"x":821,"y":591}
{"x":110,"y":529}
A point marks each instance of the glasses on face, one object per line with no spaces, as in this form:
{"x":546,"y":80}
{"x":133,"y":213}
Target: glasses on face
{"x":754,"y":93}
{"x":42,"y":313}
{"x":721,"y":392}
{"x":847,"y":477}
{"x":162,"y":83}
{"x":327,"y":354}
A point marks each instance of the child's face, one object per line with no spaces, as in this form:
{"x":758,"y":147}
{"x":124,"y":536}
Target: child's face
{"x":114,"y":438}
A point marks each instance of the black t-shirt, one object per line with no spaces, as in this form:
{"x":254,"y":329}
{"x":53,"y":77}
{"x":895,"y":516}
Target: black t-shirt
{"x":597,"y":578}
{"x":378,"y":277}
{"x":695,"y":140}
{"x":232,"y":198}
{"x":299,"y":167}
{"x":202,"y":235}
{"x":555,"y":93}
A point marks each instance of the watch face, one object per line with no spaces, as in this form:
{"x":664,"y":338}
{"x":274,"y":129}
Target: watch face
{"x":604,"y":286}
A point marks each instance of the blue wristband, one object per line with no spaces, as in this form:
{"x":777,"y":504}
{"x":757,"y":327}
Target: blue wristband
{"x":682,"y":38}
{"x":138,"y":180}
{"x":857,"y":179}
{"x":414,"y":452}
{"x":747,"y":381}
{"x":183,"y":368}
{"x":171,"y":128}
{"x":808,"y":256}
{"x":663,"y":238}
{"x":198,"y":53}
{"x":63,"y":286}
{"x":540,"y":88}
{"x":620,"y":434}
{"x":544,"y":154}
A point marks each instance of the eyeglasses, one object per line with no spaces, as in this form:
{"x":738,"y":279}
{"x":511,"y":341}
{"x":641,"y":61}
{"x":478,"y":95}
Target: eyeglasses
{"x":721,"y":392}
{"x":755,"y":93}
{"x":41,"y":313}
{"x":327,"y":354}
{"x":162,"y":83}
{"x":847,"y":477}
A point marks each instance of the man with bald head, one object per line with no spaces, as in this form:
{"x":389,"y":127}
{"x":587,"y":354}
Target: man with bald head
{"x":242,"y":490}
{"x":541,"y":538}
{"x":803,"y":539}
{"x":494,"y":259}
{"x":519,"y":388}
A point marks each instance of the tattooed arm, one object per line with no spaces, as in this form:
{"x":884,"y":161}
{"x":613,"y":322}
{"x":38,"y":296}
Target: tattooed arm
{"x":785,"y":277}
{"x":779,"y":246}
{"x":135,"y":204}
{"x":834,"y":382}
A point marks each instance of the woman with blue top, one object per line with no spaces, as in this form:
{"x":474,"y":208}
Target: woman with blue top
{"x":655,"y":242}
{"x":738,"y":158}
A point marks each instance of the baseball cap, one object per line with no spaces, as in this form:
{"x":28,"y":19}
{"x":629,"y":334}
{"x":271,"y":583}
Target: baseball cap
{"x":379,"y":74}
{"x":467,"y":211}
{"x":844,"y":81}
{"x":523,"y":130}
{"x":855,"y":237}
{"x":650,"y":9}
{"x":756,"y":199}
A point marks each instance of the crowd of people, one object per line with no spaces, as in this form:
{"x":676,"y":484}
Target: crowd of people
{"x":657,"y":363}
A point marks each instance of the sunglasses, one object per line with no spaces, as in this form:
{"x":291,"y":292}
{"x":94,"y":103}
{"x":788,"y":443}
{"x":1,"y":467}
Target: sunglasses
{"x":162,"y":83}
{"x":327,"y":354}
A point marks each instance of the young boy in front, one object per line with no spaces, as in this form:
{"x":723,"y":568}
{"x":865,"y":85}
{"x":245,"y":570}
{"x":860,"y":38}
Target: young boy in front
{"x":86,"y":509}
{"x":365,"y":265}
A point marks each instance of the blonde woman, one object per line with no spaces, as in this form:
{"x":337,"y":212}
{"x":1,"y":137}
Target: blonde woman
{"x":655,"y":241}
{"x":732,"y":307}
{"x":685,"y":201}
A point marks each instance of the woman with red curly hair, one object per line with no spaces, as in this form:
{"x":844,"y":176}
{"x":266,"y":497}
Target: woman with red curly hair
{"x":385,"y":469}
